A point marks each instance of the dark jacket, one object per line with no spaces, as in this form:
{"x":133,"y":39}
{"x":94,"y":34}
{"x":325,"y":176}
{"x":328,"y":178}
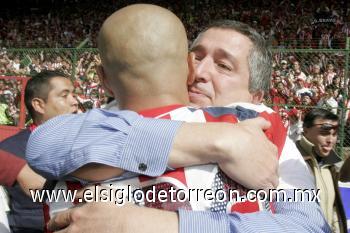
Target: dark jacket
{"x":24,"y":213}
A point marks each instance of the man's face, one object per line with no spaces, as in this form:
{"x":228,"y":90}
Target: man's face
{"x":323,"y":134}
{"x":280,"y":87}
{"x":296,"y":66}
{"x":330,"y":67}
{"x":316,"y":69}
{"x":221,"y":68}
{"x":336,"y":80}
{"x":60,"y":99}
{"x":278,"y":79}
{"x":300,"y":82}
{"x":306,"y":100}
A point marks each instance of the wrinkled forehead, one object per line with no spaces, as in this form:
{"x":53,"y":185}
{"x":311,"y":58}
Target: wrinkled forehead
{"x":223,"y":43}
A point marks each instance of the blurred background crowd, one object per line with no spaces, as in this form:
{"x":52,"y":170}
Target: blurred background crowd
{"x":307,"y":79}
{"x":287,"y":23}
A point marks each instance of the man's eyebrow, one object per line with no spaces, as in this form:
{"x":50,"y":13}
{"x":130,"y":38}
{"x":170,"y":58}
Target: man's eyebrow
{"x":64,"y":91}
{"x":224,"y":53}
{"x":219,"y":51}
{"x":197,"y":48}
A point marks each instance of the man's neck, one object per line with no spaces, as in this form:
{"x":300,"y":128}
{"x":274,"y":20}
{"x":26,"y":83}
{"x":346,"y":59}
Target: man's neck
{"x":38,"y":121}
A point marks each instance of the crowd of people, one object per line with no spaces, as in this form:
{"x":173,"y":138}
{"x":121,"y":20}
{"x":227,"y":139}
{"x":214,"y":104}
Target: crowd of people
{"x":223,"y":81}
{"x":10,"y":93}
{"x":298,"y":79}
{"x":88,"y":89}
{"x":288,"y":23}
{"x":307,"y":79}
{"x":316,"y":80}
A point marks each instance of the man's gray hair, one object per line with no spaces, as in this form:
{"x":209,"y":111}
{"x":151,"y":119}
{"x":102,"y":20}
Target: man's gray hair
{"x":259,"y":59}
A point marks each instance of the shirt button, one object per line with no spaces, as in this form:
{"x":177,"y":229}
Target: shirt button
{"x":142,"y":167}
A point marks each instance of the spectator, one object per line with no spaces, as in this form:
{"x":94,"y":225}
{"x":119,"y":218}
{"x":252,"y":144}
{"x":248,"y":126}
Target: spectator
{"x":48,"y":94}
{"x":328,"y":101}
{"x":319,"y":138}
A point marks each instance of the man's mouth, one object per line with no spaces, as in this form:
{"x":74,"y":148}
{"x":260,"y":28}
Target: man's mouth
{"x":75,"y":111}
{"x":193,"y":92}
{"x":327,"y":148}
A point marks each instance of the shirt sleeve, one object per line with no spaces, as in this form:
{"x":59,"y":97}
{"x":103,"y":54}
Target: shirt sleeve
{"x":288,"y":217}
{"x":10,"y":166}
{"x":120,"y":139}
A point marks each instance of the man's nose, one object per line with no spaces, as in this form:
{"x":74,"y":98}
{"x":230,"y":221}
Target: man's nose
{"x":203,"y":70}
{"x":334,"y":139}
{"x":74,"y":100}
{"x":331,"y":139}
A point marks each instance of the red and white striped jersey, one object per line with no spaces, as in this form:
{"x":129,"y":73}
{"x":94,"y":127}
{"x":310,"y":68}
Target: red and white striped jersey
{"x":205,"y":177}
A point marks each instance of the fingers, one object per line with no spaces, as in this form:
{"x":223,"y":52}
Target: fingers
{"x":259,"y":122}
{"x":61,"y":220}
{"x":275,"y":181}
{"x":274,"y":165}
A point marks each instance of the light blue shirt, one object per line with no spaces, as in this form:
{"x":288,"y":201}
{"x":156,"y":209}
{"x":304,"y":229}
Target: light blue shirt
{"x":140,"y":145}
{"x":120,"y":139}
{"x":290,"y":217}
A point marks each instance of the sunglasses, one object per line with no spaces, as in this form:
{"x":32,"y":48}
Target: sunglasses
{"x":327,"y":126}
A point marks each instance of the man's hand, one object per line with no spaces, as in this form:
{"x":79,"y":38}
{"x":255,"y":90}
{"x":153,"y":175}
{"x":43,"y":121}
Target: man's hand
{"x":242,"y":151}
{"x":106,"y":217}
{"x":254,"y":164}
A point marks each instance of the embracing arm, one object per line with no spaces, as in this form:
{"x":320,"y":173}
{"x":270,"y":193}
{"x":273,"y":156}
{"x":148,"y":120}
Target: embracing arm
{"x":102,"y":217}
{"x":109,"y":143}
{"x":14,"y":169}
{"x":226,"y":144}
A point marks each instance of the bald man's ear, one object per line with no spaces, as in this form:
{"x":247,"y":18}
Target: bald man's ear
{"x":191,"y":71}
{"x":258,"y":97}
{"x":103,"y":80}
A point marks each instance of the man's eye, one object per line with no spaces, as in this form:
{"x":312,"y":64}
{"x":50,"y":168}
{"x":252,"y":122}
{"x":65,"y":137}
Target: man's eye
{"x":198,"y":58}
{"x":325,"y":132}
{"x":223,"y":66}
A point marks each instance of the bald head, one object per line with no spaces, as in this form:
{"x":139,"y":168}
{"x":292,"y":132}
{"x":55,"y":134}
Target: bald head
{"x":141,"y":36}
{"x":143,"y":50}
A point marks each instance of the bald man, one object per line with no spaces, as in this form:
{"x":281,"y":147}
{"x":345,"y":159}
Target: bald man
{"x":137,"y":82}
